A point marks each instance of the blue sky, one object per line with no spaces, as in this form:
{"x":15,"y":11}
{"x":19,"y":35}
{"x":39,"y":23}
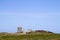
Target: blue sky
{"x":30,"y":14}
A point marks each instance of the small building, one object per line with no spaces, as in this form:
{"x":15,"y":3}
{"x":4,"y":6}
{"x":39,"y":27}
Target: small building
{"x":19,"y":29}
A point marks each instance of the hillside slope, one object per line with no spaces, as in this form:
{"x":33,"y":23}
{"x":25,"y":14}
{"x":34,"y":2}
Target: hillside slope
{"x":32,"y":36}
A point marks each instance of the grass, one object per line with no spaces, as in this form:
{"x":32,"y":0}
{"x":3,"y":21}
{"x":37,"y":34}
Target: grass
{"x":32,"y":36}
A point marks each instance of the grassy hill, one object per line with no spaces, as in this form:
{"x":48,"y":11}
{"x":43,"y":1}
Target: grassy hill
{"x":31,"y":36}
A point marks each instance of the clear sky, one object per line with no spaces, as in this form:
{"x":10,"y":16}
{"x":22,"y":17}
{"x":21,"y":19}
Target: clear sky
{"x":30,"y":14}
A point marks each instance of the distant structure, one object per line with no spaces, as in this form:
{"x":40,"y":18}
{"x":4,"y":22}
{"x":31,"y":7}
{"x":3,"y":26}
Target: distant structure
{"x":29,"y":30}
{"x":19,"y":29}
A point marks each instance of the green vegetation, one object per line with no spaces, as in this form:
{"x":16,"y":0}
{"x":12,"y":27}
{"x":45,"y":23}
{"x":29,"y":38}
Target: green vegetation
{"x":32,"y":36}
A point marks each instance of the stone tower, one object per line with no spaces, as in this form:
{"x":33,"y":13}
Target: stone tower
{"x":19,"y":29}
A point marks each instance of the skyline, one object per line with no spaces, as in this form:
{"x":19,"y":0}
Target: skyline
{"x":30,"y":14}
